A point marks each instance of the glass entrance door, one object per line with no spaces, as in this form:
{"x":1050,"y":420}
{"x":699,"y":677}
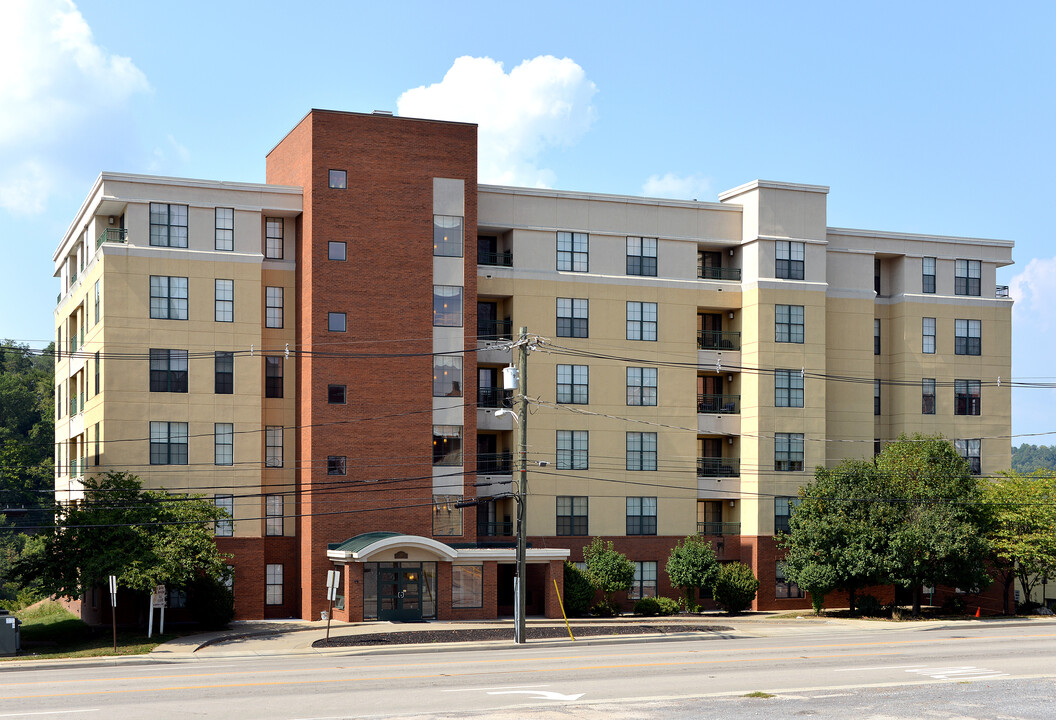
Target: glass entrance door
{"x":400,"y":592}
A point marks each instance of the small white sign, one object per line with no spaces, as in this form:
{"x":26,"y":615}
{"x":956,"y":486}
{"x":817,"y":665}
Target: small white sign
{"x":159,"y":598}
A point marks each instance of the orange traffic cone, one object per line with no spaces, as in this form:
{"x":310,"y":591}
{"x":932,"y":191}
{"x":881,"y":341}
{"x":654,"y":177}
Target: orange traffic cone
{"x":978,"y":610}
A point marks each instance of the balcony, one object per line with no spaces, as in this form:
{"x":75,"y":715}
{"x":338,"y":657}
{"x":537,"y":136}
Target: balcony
{"x":1002,"y":291}
{"x":495,"y":529}
{"x":495,"y":330}
{"x":720,"y":404}
{"x":496,"y":259}
{"x":494,"y":463}
{"x":76,"y":404}
{"x":719,"y":273}
{"x":112,"y":235}
{"x":718,"y":528}
{"x":718,"y":340}
{"x":493,"y":397}
{"x":718,"y":467}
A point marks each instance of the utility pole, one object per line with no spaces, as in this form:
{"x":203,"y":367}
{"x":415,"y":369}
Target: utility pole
{"x":520,"y":632}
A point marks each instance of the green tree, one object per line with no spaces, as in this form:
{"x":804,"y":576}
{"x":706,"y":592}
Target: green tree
{"x":735,"y":587}
{"x":609,"y":571}
{"x":838,"y":532}
{"x":1022,"y":528}
{"x":692,"y":565}
{"x":144,"y":537}
{"x":1027,"y":458}
{"x":579,"y":592}
{"x":940,"y":538}
{"x":27,"y":431}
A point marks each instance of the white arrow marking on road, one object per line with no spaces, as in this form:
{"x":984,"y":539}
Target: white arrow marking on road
{"x":964,"y":672}
{"x":540,"y":694}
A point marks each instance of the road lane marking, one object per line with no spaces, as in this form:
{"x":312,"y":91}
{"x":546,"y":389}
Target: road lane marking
{"x":505,"y":687}
{"x":879,"y":667}
{"x":830,"y":695}
{"x":540,"y":694}
{"x":49,"y":712}
{"x":960,"y":672}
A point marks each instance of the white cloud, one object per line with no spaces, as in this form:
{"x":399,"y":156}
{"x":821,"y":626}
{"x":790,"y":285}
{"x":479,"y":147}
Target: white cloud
{"x":1034,"y":291}
{"x":54,"y":79}
{"x":542,"y":103}
{"x":164,"y":157}
{"x":679,"y":187}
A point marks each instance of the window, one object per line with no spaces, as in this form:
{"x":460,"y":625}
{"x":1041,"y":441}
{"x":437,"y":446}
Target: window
{"x":967,"y":338}
{"x":572,"y":317}
{"x":572,"y":384}
{"x":783,"y":509}
{"x":641,"y":516}
{"x":927,"y":396}
{"x":168,"y":225}
{"x":641,"y":386}
{"x":225,"y":229}
{"x":571,"y":515}
{"x":788,"y":452}
{"x":966,"y":277}
{"x":927,"y":278}
{"x":467,"y":586}
{"x":338,"y":180}
{"x":98,"y":302}
{"x":168,"y":370}
{"x":335,"y":394}
{"x":273,"y":307}
{"x":168,"y":443}
{"x":273,"y":514}
{"x":447,"y":445}
{"x":224,"y":307}
{"x":336,"y":465}
{"x":223,"y":373}
{"x":273,"y":446}
{"x":168,"y":297}
{"x":98,"y":372}
{"x":788,"y":388}
{"x":223,"y":444}
{"x":225,"y":528}
{"x":97,"y":439}
{"x":58,"y":401}
{"x":641,"y":320}
{"x":641,"y":451}
{"x":335,"y":322}
{"x":447,"y":515}
{"x":447,"y":306}
{"x":641,"y":256}
{"x":783,"y":587}
{"x":272,"y":376}
{"x":644,"y":585}
{"x":876,"y":336}
{"x":928,"y":336}
{"x":273,"y":584}
{"x":335,"y":250}
{"x":572,"y":449}
{"x":273,"y":238}
{"x":876,"y":397}
{"x":788,"y":323}
{"x":447,"y":376}
{"x":966,"y":397}
{"x":572,"y":251}
{"x":969,"y":450}
{"x":789,"y":260}
{"x":447,"y":236}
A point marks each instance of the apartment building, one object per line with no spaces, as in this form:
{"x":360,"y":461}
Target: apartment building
{"x":323,"y":355}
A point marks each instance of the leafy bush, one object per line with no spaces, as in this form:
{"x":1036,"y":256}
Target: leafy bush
{"x":869,"y":606}
{"x":211,"y":603}
{"x":735,"y":587}
{"x":579,"y":593}
{"x":954,"y":605}
{"x":691,"y":565}
{"x":647,"y":606}
{"x":667,"y":605}
{"x":609,"y":571}
{"x":605,"y":609}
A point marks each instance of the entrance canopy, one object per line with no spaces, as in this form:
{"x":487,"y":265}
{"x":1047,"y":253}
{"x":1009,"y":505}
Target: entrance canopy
{"x":389,"y":546}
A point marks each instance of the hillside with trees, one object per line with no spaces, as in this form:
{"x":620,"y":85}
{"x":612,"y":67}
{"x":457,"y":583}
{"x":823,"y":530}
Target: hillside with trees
{"x":1028,"y":458}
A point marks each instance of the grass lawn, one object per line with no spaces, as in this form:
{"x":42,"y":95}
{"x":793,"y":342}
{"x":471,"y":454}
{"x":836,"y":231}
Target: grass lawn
{"x":50,"y":631}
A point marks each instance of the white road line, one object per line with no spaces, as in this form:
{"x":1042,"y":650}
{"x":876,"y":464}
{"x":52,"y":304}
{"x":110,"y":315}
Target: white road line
{"x":878,"y":667}
{"x":830,"y":695}
{"x":506,"y":687}
{"x":50,"y":712}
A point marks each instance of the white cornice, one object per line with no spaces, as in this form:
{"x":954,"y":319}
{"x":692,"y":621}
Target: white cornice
{"x":604,"y":197}
{"x":850,"y":232}
{"x":771,"y":185}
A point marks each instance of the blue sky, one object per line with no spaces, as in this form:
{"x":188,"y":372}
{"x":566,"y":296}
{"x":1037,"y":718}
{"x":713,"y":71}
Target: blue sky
{"x":921,"y":117}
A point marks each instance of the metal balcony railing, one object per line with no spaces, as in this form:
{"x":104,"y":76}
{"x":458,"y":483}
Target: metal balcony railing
{"x":500,"y":259}
{"x":73,"y":279}
{"x":1002,"y":291}
{"x":718,"y":467}
{"x":718,"y":340}
{"x":495,"y":330}
{"x":494,"y":463}
{"x":493,"y":397}
{"x":74,"y":405}
{"x":719,"y":404}
{"x":495,"y":529}
{"x":113,"y":235}
{"x":718,"y":273}
{"x":718,"y":528}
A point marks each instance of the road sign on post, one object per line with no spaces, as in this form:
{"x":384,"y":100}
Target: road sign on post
{"x":113,"y":606}
{"x":333,"y":582}
{"x":157,"y":600}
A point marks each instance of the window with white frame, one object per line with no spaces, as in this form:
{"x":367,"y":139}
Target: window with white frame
{"x":644,"y":584}
{"x":447,"y":236}
{"x":641,"y":256}
{"x":572,"y":384}
{"x":224,"y":223}
{"x":168,"y":443}
{"x":641,"y":451}
{"x":224,"y":310}
{"x":273,"y":446}
{"x":788,"y":323}
{"x":970,"y":451}
{"x":273,"y":307}
{"x":967,"y":337}
{"x":572,"y":449}
{"x":223,"y":443}
{"x":788,"y":452}
{"x":789,"y":260}
{"x":641,"y":516}
{"x":641,"y":320}
{"x":168,"y":297}
{"x":788,"y":388}
{"x":447,"y":376}
{"x":168,"y":225}
{"x":225,"y":527}
{"x":572,"y":251}
{"x":273,"y":584}
{"x":447,"y":305}
{"x":641,"y":386}
{"x":572,"y":317}
{"x":966,"y":277}
{"x":274,"y":510}
{"x":927,"y":341}
{"x":447,"y":445}
{"x":274,"y":235}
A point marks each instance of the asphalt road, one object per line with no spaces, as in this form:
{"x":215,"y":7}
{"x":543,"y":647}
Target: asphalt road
{"x":988,"y":671}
